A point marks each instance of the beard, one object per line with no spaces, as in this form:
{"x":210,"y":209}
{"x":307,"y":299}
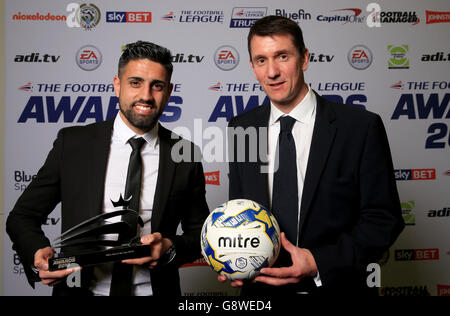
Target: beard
{"x":142,"y":122}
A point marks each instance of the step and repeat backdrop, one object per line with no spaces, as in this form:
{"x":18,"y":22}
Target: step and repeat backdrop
{"x":390,"y":57}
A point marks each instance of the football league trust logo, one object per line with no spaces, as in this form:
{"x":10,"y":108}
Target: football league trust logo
{"x":246,"y":17}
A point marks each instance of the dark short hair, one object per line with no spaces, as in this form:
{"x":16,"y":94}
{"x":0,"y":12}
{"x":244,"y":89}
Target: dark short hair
{"x":277,"y":25}
{"x":146,"y":50}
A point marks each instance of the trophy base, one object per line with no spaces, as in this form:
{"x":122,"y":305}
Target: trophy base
{"x":92,"y":258}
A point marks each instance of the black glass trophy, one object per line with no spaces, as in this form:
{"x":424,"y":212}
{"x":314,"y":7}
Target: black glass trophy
{"x":87,"y":244}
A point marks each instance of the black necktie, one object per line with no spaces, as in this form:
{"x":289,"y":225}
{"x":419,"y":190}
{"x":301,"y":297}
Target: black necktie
{"x":285,"y":188}
{"x":122,"y":274}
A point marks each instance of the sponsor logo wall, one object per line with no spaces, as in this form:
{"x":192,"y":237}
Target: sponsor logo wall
{"x":388,"y":58}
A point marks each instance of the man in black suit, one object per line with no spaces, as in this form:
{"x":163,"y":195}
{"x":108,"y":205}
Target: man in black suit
{"x":87,"y":168}
{"x":329,"y":179}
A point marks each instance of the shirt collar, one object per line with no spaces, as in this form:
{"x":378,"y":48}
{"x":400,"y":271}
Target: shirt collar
{"x":302,"y":112}
{"x":122,"y":133}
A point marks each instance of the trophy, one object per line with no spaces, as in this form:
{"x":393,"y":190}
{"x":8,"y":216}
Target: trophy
{"x":89,"y":239}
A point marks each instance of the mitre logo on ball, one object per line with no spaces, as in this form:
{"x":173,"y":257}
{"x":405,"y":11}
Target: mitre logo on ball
{"x":239,"y":238}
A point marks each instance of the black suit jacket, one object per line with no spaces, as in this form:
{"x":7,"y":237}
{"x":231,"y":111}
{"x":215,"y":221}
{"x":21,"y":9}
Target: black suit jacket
{"x":74,"y":174}
{"x":350,"y":210}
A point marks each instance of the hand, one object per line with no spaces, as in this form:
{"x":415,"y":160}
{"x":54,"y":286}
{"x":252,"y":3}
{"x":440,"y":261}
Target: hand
{"x":303,"y":264}
{"x":235,"y":283}
{"x":159,"y":247}
{"x":41,"y":263}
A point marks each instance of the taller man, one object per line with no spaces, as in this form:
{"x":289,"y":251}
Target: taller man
{"x":330,"y":182}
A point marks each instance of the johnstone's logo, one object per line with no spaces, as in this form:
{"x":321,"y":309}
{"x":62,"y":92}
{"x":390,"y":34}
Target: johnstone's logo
{"x":437,"y":17}
{"x":443,"y":290}
{"x":226,"y":58}
{"x":246,"y":17}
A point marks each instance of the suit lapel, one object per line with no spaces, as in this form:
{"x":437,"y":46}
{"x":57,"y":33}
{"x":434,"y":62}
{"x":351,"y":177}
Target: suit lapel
{"x":262,"y":180}
{"x":166,"y":171}
{"x":322,"y":140}
{"x":100,"y":146}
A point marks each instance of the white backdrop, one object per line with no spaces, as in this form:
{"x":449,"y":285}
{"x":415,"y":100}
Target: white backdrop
{"x":396,"y":65}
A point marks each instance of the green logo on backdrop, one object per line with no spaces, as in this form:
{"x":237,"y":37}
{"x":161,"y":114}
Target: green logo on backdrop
{"x":399,"y":58}
{"x":407,"y":207}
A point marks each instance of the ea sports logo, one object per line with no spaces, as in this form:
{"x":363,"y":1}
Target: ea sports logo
{"x":360,"y":57}
{"x":88,"y":58}
{"x":226,"y":58}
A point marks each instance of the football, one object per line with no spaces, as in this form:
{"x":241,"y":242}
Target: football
{"x":239,"y":238}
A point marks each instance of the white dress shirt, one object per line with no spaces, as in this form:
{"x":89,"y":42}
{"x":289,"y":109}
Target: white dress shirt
{"x":305,"y":116}
{"x":116,"y":175}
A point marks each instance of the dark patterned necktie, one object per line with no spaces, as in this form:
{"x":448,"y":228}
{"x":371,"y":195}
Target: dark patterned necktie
{"x":285,"y":187}
{"x":122,"y":275}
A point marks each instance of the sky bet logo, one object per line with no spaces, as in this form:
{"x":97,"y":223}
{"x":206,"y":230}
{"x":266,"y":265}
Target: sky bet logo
{"x":128,"y":17}
{"x":416,"y":254}
{"x":415,"y":174}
